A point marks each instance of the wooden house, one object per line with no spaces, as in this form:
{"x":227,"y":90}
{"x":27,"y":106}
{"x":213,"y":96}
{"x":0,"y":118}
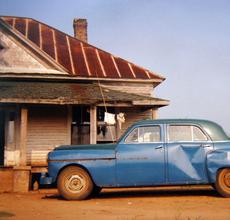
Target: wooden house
{"x":55,"y":90}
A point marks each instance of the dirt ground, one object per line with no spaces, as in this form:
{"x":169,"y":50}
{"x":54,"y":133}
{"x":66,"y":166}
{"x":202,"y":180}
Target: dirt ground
{"x":176,"y":203}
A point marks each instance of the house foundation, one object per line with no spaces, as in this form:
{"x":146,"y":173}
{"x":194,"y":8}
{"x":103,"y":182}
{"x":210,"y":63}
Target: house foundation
{"x":6,"y":183}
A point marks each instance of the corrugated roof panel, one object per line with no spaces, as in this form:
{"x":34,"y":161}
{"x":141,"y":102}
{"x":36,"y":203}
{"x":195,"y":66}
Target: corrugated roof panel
{"x":154,"y":76}
{"x":88,"y":62}
{"x":9,"y":20}
{"x":78,"y":58}
{"x":123,"y":68}
{"x":108,"y":65}
{"x":33,"y":32}
{"x":20,"y":25}
{"x":93,"y":62}
{"x":47,"y":41}
{"x":139,"y":72}
{"x":62,"y":50}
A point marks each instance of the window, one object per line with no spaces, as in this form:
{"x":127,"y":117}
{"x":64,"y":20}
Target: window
{"x":133,"y":136}
{"x":147,"y":134}
{"x":198,"y":135}
{"x":186,"y":133}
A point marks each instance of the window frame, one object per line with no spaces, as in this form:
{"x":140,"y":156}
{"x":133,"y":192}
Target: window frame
{"x":143,"y":126}
{"x":187,"y":141}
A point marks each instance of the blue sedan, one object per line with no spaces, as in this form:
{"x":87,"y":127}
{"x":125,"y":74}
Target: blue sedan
{"x":150,"y":153}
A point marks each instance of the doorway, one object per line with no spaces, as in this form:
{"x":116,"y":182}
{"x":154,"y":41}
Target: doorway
{"x":80,"y":125}
{"x":2,"y":137}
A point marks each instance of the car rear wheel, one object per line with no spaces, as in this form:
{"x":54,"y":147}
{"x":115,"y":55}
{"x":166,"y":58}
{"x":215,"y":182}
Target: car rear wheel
{"x":74,"y":183}
{"x":223,"y":182}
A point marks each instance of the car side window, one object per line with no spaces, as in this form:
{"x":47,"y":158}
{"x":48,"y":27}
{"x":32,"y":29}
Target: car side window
{"x":144,"y":134}
{"x":186,"y":133}
{"x":198,"y":134}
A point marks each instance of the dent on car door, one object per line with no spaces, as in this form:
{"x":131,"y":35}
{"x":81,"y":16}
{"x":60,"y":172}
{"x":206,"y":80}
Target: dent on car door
{"x":187,"y":148}
{"x":141,"y":158}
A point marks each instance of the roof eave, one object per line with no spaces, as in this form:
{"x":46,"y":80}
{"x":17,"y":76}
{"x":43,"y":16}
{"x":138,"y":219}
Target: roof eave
{"x":61,"y":101}
{"x":65,"y":76}
{"x":160,"y":102}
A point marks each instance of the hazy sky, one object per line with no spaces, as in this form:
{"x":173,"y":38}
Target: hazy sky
{"x":187,"y":41}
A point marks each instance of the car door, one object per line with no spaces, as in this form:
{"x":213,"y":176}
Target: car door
{"x":187,"y":148}
{"x":140,"y":157}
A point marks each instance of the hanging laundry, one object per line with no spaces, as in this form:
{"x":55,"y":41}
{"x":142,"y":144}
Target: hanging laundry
{"x":109,"y":118}
{"x":120,"y":119}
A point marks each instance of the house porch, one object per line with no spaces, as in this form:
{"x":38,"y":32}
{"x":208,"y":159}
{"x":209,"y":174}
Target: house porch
{"x":34,"y":120}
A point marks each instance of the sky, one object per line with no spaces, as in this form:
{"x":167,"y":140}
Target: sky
{"x":186,"y":41}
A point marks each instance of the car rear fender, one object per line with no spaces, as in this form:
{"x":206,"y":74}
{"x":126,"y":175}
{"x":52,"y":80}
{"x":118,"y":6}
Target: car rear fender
{"x":217,"y":160}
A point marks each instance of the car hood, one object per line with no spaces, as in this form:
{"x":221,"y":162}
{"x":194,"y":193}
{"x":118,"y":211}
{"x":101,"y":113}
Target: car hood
{"x":83,"y":152}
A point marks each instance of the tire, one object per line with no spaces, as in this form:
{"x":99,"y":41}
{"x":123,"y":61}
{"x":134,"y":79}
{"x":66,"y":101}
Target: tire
{"x":223,"y":182}
{"x":74,"y":183}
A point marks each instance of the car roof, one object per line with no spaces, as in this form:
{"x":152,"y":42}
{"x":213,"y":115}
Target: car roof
{"x":214,"y":130}
{"x":174,"y":120}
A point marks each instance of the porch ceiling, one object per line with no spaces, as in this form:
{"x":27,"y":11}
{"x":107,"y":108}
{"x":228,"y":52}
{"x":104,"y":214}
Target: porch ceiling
{"x":70,"y":93}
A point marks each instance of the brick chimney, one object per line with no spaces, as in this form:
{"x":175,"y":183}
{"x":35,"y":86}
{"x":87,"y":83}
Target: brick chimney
{"x":80,"y":29}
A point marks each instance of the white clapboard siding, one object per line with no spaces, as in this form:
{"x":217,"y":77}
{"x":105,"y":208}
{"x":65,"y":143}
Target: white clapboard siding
{"x":47,"y":129}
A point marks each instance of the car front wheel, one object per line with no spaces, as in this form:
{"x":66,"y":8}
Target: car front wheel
{"x":223,"y":182}
{"x":74,"y":183}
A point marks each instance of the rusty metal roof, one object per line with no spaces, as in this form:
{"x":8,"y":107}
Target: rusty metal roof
{"x":78,"y":58}
{"x":69,"y":93}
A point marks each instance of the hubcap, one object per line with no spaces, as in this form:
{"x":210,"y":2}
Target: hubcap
{"x":75,"y":183}
{"x":227,"y":180}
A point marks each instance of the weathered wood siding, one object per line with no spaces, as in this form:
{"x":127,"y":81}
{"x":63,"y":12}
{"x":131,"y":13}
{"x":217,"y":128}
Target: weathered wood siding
{"x":48,"y":127}
{"x":16,"y":58}
{"x":10,"y":55}
{"x":136,"y":88}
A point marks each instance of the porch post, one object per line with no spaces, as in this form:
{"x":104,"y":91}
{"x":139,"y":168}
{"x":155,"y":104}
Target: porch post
{"x":93,"y":124}
{"x":23,"y":136}
{"x":117,"y":110}
{"x":154,"y":113}
{"x":21,"y":179}
{"x":69,"y":123}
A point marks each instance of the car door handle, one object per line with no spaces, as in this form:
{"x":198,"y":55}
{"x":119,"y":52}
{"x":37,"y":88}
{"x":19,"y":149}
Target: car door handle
{"x":159,"y":147}
{"x":207,"y":145}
